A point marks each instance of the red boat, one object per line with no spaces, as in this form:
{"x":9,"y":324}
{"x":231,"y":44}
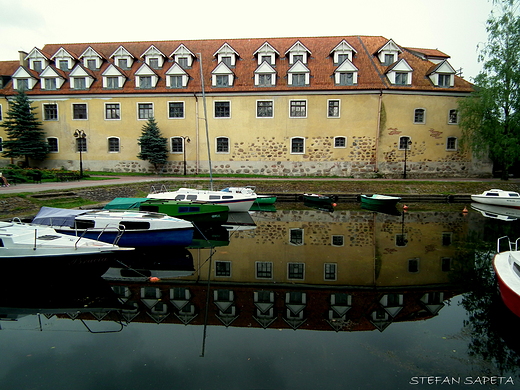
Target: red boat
{"x":507,"y":270}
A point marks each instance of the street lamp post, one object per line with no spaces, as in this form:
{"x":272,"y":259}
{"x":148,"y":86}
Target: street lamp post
{"x":185,"y":139}
{"x":80,"y":135}
{"x":407,"y":144}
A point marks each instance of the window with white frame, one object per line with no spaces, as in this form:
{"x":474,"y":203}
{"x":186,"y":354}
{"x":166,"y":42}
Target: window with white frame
{"x":296,"y":271}
{"x":298,"y":80}
{"x":222,"y":268}
{"x":22,"y":84}
{"x":264,"y":109}
{"x":79,"y":111}
{"x":53,"y":144}
{"x":63,"y":65}
{"x":444,"y":80}
{"x":297,"y":145}
{"x":222,"y":80}
{"x":222,"y":144}
{"x":176,"y":81}
{"x":298,"y":109}
{"x":265,"y":80}
{"x":50,"y":83}
{"x":80,"y":83}
{"x":346,"y":78}
{"x":451,"y":143}
{"x":50,"y":112}
{"x":112,"y":111}
{"x":264,"y":270}
{"x":112,"y":82}
{"x":340,"y":142}
{"x":175,"y":110}
{"x":333,"y":109}
{"x":177,"y":144}
{"x":145,"y":82}
{"x":453,"y":117}
{"x":113,"y":145}
{"x":37,"y":66}
{"x":419,"y":116}
{"x":145,"y":110}
{"x":222,"y":109}
{"x":330,"y":271}
{"x":401,"y":78}
{"x":92,"y":63}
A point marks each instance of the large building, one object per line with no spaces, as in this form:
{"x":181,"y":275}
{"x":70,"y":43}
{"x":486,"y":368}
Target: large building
{"x":352,"y":106}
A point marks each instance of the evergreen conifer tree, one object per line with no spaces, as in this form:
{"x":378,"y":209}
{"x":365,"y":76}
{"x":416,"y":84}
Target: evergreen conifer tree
{"x":154,"y":147}
{"x":25,"y":135}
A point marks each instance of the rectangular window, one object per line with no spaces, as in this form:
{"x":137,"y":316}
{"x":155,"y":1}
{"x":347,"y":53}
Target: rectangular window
{"x":223,"y":268}
{"x":298,"y":109}
{"x":22,"y":84}
{"x":419,"y":116}
{"x":338,"y":240}
{"x":226,"y":60}
{"x":222,"y":109}
{"x":79,"y":111}
{"x":37,"y":66}
{"x":444,"y":80}
{"x":296,"y":271}
{"x":296,"y":236}
{"x":145,"y":81}
{"x":183,"y":62}
{"x":401,"y":78}
{"x":50,"y":83}
{"x":122,"y":63}
{"x":222,"y":145}
{"x":264,"y":269}
{"x":64,"y":65}
{"x":81,"y":145}
{"x":330,"y":271}
{"x":341,"y":58}
{"x":222,"y":80}
{"x":145,"y":110}
{"x":113,"y":145}
{"x":264,"y":109}
{"x":389,"y":59}
{"x":113,"y":82}
{"x":297,"y":57}
{"x":176,"y":82}
{"x":413,"y":265}
{"x":50,"y":112}
{"x":298,"y":80}
{"x":265,"y":80}
{"x":53,"y":145}
{"x":346,"y":78}
{"x":154,"y":63}
{"x":177,"y":145}
{"x":175,"y":109}
{"x":404,"y":143}
{"x":453,"y":117}
{"x":297,"y":146}
{"x":451,"y":143}
{"x":340,"y":142}
{"x":112,"y":111}
{"x":333,"y":111}
{"x":91,"y":64}
{"x":80,"y":83}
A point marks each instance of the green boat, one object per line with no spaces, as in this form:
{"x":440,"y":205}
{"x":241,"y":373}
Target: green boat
{"x":190,"y":211}
{"x":380,"y":200}
{"x":265,"y":199}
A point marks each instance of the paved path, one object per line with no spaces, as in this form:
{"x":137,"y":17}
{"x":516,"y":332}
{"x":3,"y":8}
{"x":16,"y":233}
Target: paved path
{"x":121,"y":180}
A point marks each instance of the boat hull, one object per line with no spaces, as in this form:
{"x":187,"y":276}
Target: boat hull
{"x":319,"y":199}
{"x":265,"y":200}
{"x":508,"y":282}
{"x":380,"y":200}
{"x":496,"y":201}
{"x":198,"y":213}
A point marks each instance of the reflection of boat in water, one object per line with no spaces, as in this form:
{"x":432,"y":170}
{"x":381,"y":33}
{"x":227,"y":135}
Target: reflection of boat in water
{"x":498,"y":198}
{"x":127,"y":228}
{"x":329,"y":208}
{"x":384,"y":209}
{"x":507,"y":268}
{"x":496,"y":212}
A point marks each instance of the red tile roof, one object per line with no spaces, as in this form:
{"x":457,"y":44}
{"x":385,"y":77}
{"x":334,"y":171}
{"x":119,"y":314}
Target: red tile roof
{"x":370,"y":75}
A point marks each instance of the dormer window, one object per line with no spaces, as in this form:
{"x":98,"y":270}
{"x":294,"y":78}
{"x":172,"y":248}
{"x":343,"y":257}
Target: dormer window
{"x":153,"y":57}
{"x":227,"y":55}
{"x":122,"y":58}
{"x":51,"y":80}
{"x":91,"y":59}
{"x":122,"y":63}
{"x":154,"y":63}
{"x":442,"y":75}
{"x":389,"y":53}
{"x":63,"y":59}
{"x":343,"y":51}
{"x":266,"y":53}
{"x":298,"y":52}
{"x":145,"y":77}
{"x":400,"y":73}
{"x":346,"y":73}
{"x":176,"y":77}
{"x":401,"y":78}
{"x":37,"y":66}
{"x":36,"y":60}
{"x":265,"y":75}
{"x":183,"y":56}
{"x":222,"y":76}
{"x":298,"y":75}
{"x":113,"y":78}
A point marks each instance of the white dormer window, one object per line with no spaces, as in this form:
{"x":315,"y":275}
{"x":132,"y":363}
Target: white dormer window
{"x":145,"y":77}
{"x":298,"y":75}
{"x":80,"y":78}
{"x":91,"y":59}
{"x":50,"y":79}
{"x":298,"y":52}
{"x":389,"y":53}
{"x":36,"y":60}
{"x":400,"y":73}
{"x":183,"y":56}
{"x":443,"y":75}
{"x":227,"y":55}
{"x":113,"y":78}
{"x":63,"y":59}
{"x":222,"y":76}
{"x":176,"y":77}
{"x":346,"y":73}
{"x":153,"y":57}
{"x":122,"y":58}
{"x":266,"y":53}
{"x":265,"y":75}
{"x":343,"y":51}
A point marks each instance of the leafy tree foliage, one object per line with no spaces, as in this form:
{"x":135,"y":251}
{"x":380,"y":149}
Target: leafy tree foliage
{"x":154,"y":147}
{"x":25,"y":135}
{"x":490,"y":118}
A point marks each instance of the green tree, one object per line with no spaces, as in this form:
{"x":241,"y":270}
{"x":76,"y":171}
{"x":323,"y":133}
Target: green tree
{"x":489,"y":118}
{"x":154,"y":147}
{"x":25,"y":135}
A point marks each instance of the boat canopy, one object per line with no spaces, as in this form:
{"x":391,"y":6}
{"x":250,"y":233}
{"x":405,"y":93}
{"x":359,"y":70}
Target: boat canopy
{"x":124,"y":203}
{"x":51,"y":216}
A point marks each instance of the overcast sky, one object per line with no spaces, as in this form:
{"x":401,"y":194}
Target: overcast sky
{"x":455,"y":27}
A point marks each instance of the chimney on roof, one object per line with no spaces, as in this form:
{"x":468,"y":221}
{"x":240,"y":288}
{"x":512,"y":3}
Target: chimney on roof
{"x":22,"y":55}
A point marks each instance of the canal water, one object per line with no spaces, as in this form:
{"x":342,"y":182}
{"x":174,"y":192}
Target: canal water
{"x":296,"y":298}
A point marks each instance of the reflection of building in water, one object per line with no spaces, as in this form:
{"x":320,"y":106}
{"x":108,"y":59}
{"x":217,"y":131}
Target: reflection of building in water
{"x":353,"y":270}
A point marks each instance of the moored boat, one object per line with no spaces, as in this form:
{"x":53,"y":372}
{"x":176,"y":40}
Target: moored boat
{"x":260,"y":198}
{"x":126,"y":228}
{"x":380,"y":200}
{"x":498,"y":197}
{"x":507,"y":270}
{"x":237,"y":202}
{"x":320,"y":199}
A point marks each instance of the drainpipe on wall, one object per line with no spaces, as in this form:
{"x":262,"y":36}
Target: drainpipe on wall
{"x":196,"y":134}
{"x":380,"y":101}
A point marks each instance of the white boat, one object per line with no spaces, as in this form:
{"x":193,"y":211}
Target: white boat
{"x":498,"y":197}
{"x":260,"y":199}
{"x":507,"y":270}
{"x":124,"y":227}
{"x":22,"y":241}
{"x":237,"y":202}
